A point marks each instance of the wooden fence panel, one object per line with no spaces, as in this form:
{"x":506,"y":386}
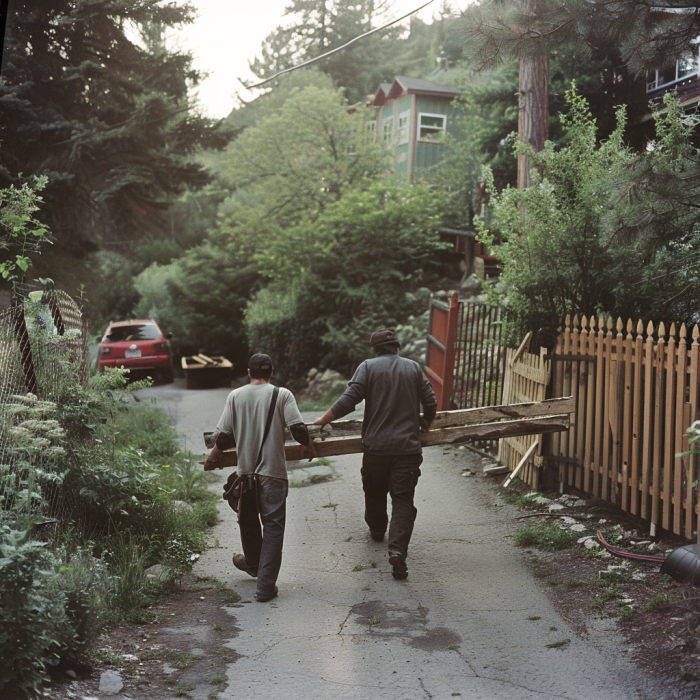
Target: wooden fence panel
{"x":526,"y":379}
{"x":636,"y":392}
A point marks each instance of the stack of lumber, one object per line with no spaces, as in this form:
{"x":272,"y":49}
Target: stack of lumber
{"x":489,"y":423}
{"x":203,"y":372}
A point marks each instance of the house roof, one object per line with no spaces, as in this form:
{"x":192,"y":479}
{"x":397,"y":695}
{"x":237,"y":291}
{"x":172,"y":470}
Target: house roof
{"x":404,"y":85}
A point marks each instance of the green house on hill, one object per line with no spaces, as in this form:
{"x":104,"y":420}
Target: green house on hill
{"x":413,"y":115}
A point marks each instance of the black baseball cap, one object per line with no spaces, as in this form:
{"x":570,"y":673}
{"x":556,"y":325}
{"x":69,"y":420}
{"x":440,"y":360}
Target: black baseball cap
{"x":260,"y":361}
{"x":383,"y":337}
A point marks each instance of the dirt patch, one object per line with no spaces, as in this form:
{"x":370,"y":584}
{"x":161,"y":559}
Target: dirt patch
{"x":659,"y":618}
{"x":182,"y":651}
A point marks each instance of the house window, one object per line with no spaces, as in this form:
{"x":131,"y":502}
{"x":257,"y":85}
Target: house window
{"x":685,"y":67}
{"x":371,"y":130}
{"x":388,"y":129}
{"x":404,"y":120}
{"x":431,"y":127}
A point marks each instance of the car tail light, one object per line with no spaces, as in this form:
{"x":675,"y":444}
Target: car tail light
{"x":105,"y":351}
{"x":160,"y":347}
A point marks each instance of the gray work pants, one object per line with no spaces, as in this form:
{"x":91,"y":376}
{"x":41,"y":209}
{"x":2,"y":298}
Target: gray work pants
{"x":266,"y":506}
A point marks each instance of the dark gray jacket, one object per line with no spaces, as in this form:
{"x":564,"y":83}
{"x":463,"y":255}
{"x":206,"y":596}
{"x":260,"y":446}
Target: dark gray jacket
{"x":393,"y":388}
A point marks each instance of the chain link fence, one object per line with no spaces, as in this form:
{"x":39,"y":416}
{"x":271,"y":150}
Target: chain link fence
{"x":43,"y":353}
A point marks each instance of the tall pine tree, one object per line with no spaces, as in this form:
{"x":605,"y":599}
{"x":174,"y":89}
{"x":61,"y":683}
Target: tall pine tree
{"x":92,"y":98}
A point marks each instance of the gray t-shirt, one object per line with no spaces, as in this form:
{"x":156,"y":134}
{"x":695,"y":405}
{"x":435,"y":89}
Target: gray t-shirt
{"x":244,"y":417}
{"x":393,"y":388}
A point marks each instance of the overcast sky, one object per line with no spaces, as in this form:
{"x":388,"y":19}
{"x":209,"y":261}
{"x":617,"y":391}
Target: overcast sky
{"x":228,"y":34}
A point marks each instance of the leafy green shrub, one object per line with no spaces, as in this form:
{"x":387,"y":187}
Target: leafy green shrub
{"x":146,"y":430}
{"x":118,"y":510}
{"x":361,"y":262}
{"x":34,"y":625}
{"x":84,"y":582}
{"x":557,"y":258}
{"x":660,"y":601}
{"x":547,"y":537}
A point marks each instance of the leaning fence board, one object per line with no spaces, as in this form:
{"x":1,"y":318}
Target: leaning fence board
{"x":526,"y":377}
{"x":521,"y":463}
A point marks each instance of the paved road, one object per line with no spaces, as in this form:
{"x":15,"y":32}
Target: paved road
{"x":458,"y":627}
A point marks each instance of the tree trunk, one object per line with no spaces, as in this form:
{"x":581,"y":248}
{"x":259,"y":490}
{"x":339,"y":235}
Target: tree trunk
{"x":533,"y":114}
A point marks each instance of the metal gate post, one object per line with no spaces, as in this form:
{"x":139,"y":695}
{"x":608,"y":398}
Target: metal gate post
{"x":445,"y":403}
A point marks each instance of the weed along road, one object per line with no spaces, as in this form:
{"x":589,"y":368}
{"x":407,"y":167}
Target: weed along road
{"x":471,"y":621}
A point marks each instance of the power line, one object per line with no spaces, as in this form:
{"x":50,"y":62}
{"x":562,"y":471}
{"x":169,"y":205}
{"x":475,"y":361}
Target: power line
{"x":340,"y":48}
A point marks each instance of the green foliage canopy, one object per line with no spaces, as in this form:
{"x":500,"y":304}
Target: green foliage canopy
{"x":553,"y":236}
{"x":101,"y":112}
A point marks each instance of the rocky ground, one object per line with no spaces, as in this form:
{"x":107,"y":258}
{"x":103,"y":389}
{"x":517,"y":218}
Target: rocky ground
{"x":658,"y":617}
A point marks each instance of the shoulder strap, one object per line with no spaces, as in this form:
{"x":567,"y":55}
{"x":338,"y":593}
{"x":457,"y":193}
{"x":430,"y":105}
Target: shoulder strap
{"x":268,"y":423}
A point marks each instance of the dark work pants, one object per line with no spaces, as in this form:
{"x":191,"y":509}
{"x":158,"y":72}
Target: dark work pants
{"x":266,"y":504}
{"x":396,"y":475}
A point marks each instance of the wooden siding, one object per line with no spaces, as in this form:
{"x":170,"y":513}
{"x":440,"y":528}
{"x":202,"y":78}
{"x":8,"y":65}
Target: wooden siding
{"x":427,"y":154}
{"x":401,"y":163}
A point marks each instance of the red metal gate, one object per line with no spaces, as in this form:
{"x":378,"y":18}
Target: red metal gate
{"x":440,"y":355}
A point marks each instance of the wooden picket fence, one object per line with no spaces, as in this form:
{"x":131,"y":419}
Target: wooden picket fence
{"x":636,"y":393}
{"x":526,"y":378}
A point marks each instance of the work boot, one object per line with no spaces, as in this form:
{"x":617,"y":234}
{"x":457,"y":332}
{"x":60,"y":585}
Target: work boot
{"x":398,"y":565}
{"x":377,"y":536}
{"x":266,"y":598}
{"x":240,"y":563}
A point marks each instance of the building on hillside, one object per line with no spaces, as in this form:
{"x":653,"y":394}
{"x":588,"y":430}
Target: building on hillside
{"x":681,"y":77}
{"x":413,"y":115}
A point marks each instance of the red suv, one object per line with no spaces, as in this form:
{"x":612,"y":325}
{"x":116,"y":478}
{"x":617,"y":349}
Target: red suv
{"x":139,"y":346}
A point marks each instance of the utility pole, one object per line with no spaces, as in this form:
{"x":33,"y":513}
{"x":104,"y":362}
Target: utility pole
{"x":533,"y":102}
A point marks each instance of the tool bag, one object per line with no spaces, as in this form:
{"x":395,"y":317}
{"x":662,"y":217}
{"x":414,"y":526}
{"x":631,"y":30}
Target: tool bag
{"x":236,"y":485}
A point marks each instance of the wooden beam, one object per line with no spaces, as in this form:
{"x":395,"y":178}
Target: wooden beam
{"x":486,"y":431}
{"x":487,"y":414}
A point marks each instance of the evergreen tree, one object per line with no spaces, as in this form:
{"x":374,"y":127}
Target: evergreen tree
{"x":103,"y":112}
{"x":649,"y":33}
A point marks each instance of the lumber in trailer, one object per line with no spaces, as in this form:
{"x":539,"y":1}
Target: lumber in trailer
{"x":453,"y":427}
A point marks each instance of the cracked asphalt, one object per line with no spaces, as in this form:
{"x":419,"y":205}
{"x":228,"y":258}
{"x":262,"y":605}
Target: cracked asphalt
{"x":471,"y":621}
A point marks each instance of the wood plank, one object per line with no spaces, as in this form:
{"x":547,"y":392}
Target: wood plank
{"x":659,"y":396}
{"x":486,"y":414}
{"x":617,"y":401}
{"x":599,"y":397}
{"x":564,"y":437}
{"x":581,"y":405}
{"x":690,"y":519}
{"x":590,"y":411}
{"x":575,"y":391}
{"x":669,"y":457}
{"x":558,"y":388}
{"x":637,"y":410}
{"x":495,"y":471}
{"x":647,"y":422}
{"x":490,"y":431}
{"x":522,"y":348}
{"x":607,"y":433}
{"x":680,"y":462}
{"x":627,"y":418}
{"x":534,"y":374}
{"x":521,"y":464}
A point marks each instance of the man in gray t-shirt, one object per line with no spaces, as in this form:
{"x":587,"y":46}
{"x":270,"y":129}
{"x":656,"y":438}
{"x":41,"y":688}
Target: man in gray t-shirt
{"x":242,"y":425}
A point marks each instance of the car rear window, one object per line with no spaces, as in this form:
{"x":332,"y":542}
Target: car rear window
{"x":120,"y":334}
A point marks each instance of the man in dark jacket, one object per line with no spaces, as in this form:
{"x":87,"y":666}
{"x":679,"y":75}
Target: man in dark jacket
{"x":393,"y":388}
